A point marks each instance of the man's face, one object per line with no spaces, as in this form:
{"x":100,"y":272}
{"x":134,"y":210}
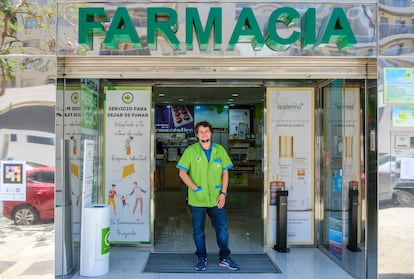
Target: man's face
{"x":204,"y":134}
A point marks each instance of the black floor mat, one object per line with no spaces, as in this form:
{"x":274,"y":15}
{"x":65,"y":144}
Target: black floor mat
{"x":184,"y":263}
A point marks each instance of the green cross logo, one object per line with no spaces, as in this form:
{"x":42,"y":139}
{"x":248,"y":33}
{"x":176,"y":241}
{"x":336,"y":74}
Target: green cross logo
{"x":105,"y":246}
{"x":75,"y":97}
{"x":127,"y":97}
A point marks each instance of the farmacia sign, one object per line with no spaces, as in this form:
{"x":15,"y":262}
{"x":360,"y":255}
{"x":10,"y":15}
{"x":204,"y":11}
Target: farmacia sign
{"x":162,"y":21}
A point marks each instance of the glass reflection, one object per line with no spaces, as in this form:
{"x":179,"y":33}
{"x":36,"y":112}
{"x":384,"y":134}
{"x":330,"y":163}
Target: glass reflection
{"x":342,"y":174}
{"x":26,"y":28}
{"x":362,"y":19}
{"x":395,"y":178}
{"x":27,"y":109}
{"x":396,"y":28}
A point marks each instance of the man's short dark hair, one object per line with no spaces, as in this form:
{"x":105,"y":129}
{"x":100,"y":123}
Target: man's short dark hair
{"x":203,"y":124}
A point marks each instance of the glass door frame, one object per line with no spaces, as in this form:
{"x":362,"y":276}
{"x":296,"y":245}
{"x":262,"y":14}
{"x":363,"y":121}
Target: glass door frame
{"x":333,"y":234}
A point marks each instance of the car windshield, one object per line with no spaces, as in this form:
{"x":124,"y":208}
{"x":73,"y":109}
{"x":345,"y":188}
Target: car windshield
{"x":43,"y":176}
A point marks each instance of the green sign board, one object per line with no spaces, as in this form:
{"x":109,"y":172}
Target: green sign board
{"x":105,"y":246}
{"x":163,"y":21}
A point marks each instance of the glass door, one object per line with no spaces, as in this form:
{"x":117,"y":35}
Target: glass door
{"x":342,"y":197}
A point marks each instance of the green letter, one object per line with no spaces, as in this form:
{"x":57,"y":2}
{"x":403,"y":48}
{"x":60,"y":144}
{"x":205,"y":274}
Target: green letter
{"x":338,"y":31}
{"x":246,"y":31}
{"x":88,"y":26}
{"x":193,"y":19}
{"x":308,"y":29}
{"x":121,"y":30}
{"x":287,"y":16}
{"x":162,"y":21}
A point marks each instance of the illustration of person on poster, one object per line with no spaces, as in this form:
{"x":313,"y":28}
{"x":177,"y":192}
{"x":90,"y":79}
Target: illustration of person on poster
{"x":128,"y":161}
{"x":124,"y":201}
{"x":111,"y":197}
{"x":137,"y":193}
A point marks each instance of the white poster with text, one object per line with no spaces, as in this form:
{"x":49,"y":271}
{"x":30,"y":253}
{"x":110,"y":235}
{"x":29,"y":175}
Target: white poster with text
{"x":290,"y":130}
{"x":72,"y":133}
{"x":127,"y":162}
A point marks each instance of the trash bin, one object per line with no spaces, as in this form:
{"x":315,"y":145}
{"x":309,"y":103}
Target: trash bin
{"x":94,"y":258}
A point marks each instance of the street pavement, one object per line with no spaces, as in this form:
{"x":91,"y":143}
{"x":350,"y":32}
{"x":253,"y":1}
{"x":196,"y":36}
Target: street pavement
{"x":26,"y":252}
{"x":396,"y":243}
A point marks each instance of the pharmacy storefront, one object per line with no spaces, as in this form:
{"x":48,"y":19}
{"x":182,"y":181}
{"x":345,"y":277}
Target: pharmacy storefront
{"x":292,"y":90}
{"x":284,"y":86}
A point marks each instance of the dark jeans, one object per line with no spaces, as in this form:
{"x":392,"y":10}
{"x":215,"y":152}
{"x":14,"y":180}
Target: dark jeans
{"x":218,"y":219}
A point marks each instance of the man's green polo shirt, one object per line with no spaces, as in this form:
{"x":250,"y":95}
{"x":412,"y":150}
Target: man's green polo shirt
{"x":205,"y":174}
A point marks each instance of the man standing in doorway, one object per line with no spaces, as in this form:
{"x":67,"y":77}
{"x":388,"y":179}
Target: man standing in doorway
{"x":204,"y":168}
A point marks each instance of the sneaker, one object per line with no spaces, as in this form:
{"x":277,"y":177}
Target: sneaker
{"x":201,"y":264}
{"x":228,"y":262}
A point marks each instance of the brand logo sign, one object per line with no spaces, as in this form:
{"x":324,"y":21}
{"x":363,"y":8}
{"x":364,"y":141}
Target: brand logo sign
{"x":163,"y":21}
{"x":105,"y":245}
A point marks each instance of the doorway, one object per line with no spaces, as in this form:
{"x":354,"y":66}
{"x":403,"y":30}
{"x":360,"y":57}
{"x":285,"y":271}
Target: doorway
{"x":235,"y":110}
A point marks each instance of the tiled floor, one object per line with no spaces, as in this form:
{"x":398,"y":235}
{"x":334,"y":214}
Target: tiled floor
{"x":173,"y":234}
{"x":300,"y":263}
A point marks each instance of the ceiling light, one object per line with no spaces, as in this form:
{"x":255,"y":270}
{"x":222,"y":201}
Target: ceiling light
{"x":181,"y":100}
{"x":235,"y":94}
{"x":161,"y":94}
{"x":231,"y":100}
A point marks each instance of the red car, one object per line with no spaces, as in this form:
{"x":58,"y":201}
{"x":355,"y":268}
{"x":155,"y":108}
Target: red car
{"x":40,"y":198}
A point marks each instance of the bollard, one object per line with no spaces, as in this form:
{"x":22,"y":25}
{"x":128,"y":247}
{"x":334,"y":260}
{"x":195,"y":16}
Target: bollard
{"x":281,"y":224}
{"x":353,"y":217}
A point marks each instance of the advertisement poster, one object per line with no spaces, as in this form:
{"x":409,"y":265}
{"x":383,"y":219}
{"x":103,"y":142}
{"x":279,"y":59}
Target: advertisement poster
{"x":87,"y":177}
{"x":174,"y":119}
{"x":402,"y":116}
{"x":13,"y":181}
{"x":290,"y":145}
{"x":89,"y":124}
{"x":127,"y":162}
{"x":239,"y":120}
{"x":342,"y":160}
{"x":72,"y":133}
{"x":217,"y":115}
{"x":399,"y":85}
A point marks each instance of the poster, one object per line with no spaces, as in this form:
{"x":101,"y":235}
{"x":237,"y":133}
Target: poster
{"x":72,"y":133}
{"x":402,"y":116}
{"x":342,"y":160}
{"x":87,"y":175}
{"x":176,"y":118}
{"x":290,"y":147}
{"x":239,"y":120}
{"x":217,"y":115}
{"x":89,"y":125}
{"x":13,"y":181}
{"x":398,"y":85}
{"x":127,"y":162}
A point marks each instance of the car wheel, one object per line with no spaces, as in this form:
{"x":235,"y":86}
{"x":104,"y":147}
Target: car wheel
{"x":25,"y":215}
{"x":405,"y":199}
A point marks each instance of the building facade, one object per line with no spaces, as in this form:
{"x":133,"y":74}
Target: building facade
{"x":311,"y":97}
